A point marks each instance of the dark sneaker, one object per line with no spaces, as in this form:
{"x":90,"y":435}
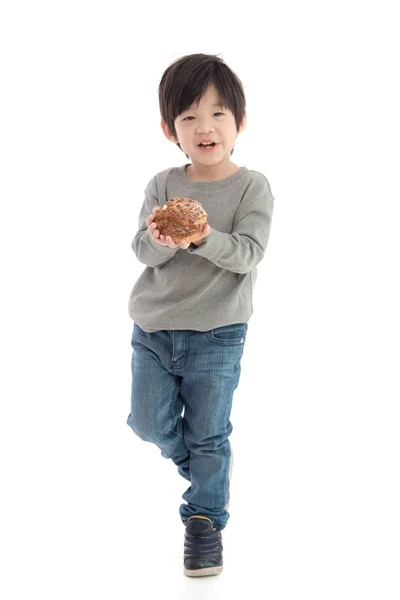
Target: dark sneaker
{"x":203,"y":548}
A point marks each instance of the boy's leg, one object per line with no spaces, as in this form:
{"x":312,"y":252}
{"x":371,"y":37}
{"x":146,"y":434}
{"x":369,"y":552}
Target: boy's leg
{"x":209,"y":379}
{"x":156,"y":406}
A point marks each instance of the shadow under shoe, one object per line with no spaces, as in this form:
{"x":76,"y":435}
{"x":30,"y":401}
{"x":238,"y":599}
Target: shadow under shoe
{"x":202,"y":548}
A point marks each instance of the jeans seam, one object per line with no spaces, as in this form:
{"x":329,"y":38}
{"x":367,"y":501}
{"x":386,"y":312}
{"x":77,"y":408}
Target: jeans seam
{"x":171,"y":430}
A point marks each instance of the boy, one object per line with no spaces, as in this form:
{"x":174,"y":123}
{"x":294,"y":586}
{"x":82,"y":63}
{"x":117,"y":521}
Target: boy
{"x":191,"y":304}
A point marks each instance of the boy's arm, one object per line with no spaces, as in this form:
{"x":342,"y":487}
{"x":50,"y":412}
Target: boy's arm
{"x":241,"y":250}
{"x":147,"y":251}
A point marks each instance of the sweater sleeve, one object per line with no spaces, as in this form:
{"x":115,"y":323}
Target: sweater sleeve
{"x":242,"y":250}
{"x":147,"y":251}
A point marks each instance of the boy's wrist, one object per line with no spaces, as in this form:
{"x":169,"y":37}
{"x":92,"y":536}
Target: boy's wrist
{"x":196,"y":244}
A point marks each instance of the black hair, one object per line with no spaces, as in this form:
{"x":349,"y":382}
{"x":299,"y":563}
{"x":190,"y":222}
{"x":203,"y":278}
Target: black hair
{"x":186,"y":80}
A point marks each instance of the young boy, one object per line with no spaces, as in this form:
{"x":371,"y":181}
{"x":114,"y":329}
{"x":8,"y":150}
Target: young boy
{"x":192,"y":302}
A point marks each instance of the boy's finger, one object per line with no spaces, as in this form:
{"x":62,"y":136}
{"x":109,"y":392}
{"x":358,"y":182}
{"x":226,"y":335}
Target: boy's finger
{"x":171,"y":242}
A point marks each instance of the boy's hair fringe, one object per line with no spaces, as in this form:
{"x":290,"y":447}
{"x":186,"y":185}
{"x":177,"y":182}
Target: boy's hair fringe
{"x":186,"y":80}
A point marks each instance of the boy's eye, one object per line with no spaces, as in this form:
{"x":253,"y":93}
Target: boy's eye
{"x":190,"y":117}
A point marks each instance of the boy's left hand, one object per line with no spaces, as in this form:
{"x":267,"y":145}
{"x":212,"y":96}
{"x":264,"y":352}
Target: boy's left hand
{"x":167,"y":241}
{"x":206,"y":231}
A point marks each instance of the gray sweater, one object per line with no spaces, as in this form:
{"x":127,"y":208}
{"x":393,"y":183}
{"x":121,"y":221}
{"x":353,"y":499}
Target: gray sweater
{"x":209,"y":286}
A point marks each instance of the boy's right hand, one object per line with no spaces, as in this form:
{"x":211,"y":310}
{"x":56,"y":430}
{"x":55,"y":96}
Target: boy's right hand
{"x":161,"y":239}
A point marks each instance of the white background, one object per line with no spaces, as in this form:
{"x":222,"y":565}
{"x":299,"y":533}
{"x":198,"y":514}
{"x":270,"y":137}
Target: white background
{"x":88,"y":509}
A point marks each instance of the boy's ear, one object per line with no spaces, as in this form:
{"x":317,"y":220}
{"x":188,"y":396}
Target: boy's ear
{"x":243,"y":123}
{"x":167,"y":132}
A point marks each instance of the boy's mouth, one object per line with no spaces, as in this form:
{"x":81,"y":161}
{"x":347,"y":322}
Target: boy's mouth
{"x":208,"y":147}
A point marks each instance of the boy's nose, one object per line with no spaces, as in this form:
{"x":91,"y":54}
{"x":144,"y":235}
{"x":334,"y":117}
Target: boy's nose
{"x":204,"y":127}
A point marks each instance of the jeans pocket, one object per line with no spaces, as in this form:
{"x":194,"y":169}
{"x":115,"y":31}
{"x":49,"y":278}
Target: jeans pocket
{"x":228,"y":335}
{"x":138,"y":335}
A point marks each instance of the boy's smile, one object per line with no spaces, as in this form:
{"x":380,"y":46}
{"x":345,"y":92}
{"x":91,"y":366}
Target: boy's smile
{"x":207,"y":133}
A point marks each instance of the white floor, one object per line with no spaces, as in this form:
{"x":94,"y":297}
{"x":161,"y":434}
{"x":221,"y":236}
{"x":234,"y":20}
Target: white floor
{"x":95,"y":515}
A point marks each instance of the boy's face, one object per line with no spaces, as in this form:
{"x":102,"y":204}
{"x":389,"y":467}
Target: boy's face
{"x":206,"y":122}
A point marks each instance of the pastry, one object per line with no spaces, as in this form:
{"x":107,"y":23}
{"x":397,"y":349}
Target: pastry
{"x":181,"y":218}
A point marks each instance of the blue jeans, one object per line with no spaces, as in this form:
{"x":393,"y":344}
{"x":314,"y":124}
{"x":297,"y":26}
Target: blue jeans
{"x":194,"y":373}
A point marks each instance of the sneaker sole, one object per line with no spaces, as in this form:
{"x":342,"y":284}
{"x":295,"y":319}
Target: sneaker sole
{"x":202,"y":572}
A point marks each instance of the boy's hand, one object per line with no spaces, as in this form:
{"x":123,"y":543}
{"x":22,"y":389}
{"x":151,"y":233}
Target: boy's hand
{"x":167,"y":240}
{"x":206,"y":231}
{"x":162,"y":239}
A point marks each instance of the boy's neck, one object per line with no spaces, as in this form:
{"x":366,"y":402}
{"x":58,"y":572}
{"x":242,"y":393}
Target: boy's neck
{"x":213,"y":173}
